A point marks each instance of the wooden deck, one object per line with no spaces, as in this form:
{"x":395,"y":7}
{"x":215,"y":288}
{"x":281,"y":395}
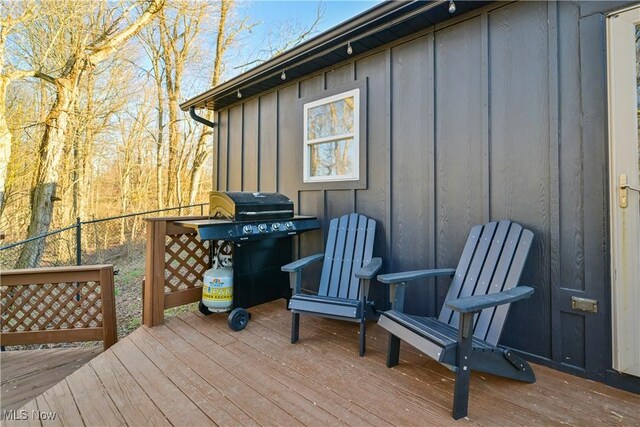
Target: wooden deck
{"x":195,"y":371}
{"x":28,"y":373}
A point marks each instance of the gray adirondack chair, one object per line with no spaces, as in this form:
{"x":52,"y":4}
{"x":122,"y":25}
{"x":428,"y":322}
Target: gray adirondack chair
{"x":344,"y":284}
{"x":465,"y":335}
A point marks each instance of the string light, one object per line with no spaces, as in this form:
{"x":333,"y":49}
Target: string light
{"x":239,"y":95}
{"x":283,"y":76}
{"x":349,"y":48}
{"x":452,"y":6}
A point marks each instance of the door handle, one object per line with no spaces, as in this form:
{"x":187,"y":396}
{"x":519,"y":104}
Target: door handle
{"x":623,"y":190}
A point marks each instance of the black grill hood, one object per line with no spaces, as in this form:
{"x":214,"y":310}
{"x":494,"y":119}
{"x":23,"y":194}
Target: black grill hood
{"x":248,"y":206}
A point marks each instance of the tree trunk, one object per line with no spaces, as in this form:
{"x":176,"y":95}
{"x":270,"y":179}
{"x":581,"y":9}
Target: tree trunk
{"x":44,"y":188}
{"x":159,"y":148}
{"x":5,"y":144}
{"x":196,"y":177}
{"x":174,"y":138}
{"x":203,"y":152}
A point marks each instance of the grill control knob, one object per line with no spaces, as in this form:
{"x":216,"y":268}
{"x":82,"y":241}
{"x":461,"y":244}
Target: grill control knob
{"x":289,"y":225}
{"x":247,"y":229}
{"x":275,"y":226}
{"x":262,"y":228}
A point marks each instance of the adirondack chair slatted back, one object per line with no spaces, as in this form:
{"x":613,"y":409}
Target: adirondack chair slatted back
{"x":492,"y":261}
{"x":349,"y":247}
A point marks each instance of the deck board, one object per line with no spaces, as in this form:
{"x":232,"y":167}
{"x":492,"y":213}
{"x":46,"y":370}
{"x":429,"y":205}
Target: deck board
{"x":62,"y":402}
{"x":302,"y":383}
{"x":431,"y":381}
{"x":195,"y":371}
{"x":92,"y":399}
{"x":549,"y":401}
{"x":28,"y":373}
{"x":159,"y":384}
{"x":192,"y":378}
{"x":131,"y":400}
{"x":425,"y":389}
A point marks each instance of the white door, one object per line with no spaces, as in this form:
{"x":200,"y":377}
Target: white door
{"x":623,"y":46}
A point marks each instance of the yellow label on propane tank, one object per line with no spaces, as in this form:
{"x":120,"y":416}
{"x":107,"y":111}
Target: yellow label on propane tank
{"x":217,"y":294}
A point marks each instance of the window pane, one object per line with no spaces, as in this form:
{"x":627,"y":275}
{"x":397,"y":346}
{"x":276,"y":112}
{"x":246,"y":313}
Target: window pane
{"x":333,"y":118}
{"x":336,"y":158}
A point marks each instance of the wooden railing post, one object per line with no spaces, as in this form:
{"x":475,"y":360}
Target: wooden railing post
{"x":109,"y":329}
{"x":153,"y":303}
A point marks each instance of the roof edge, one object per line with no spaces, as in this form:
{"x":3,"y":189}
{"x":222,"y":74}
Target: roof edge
{"x":290,"y":57}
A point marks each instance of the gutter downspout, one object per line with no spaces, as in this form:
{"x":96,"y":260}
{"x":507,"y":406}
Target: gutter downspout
{"x":197,"y":118}
{"x":212,"y":125}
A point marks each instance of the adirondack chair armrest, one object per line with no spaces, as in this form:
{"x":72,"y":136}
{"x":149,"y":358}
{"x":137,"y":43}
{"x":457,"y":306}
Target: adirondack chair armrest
{"x":407,"y":276}
{"x":478,"y":303}
{"x":298,"y":265}
{"x":367,"y":272}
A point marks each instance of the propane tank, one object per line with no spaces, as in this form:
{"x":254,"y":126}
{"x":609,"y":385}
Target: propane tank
{"x":217,"y":288}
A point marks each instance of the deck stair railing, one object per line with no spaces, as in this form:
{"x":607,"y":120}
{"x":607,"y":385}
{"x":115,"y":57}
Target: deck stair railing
{"x":59,"y":304}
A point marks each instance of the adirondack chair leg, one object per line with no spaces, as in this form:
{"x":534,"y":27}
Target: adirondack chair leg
{"x":393,"y":351}
{"x":363,"y":338}
{"x":295,"y":327}
{"x":461,"y":388}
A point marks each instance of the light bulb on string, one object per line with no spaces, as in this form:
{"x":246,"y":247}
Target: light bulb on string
{"x":452,"y":6}
{"x":283,"y":76}
{"x":239,"y":95}
{"x":349,"y":48}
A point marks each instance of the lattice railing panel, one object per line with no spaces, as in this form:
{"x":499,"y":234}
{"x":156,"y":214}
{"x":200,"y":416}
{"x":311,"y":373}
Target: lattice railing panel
{"x":40,"y":307}
{"x":186,"y":259}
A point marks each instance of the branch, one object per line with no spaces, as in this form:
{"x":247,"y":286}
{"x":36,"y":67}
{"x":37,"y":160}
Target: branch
{"x":102,"y":52}
{"x":7,"y":24}
{"x":19,"y":74}
{"x":288,"y":41}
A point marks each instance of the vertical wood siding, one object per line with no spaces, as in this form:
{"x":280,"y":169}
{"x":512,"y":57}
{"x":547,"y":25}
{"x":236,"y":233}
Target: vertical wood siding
{"x":501,"y":115}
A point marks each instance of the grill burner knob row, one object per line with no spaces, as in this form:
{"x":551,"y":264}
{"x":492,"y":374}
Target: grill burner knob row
{"x":262,"y":228}
{"x":247,"y":229}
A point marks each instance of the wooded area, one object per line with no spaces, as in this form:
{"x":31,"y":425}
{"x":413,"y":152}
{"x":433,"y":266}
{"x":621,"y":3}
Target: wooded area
{"x":90,"y":124}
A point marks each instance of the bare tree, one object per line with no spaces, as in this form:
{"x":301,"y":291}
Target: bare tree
{"x":150,"y":38}
{"x":203,"y":149}
{"x":282,"y":36}
{"x":88,"y":48}
{"x":289,"y":35}
{"x":8,"y":24}
{"x":179,"y":26}
{"x":227,"y":33}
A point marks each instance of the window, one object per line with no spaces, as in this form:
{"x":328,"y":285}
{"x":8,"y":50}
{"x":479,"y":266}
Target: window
{"x":331,"y":138}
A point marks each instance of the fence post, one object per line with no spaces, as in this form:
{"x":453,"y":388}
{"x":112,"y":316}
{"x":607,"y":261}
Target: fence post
{"x":78,"y":241}
{"x":201,"y":209}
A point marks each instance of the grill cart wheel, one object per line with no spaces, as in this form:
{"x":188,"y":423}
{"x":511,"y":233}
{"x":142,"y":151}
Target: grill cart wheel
{"x":238,"y":319}
{"x":203,"y":309}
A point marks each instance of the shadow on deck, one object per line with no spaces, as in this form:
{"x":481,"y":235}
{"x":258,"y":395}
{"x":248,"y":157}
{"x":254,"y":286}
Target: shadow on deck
{"x":195,"y":371}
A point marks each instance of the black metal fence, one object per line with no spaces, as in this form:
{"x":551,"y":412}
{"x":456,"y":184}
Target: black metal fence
{"x":92,"y":241}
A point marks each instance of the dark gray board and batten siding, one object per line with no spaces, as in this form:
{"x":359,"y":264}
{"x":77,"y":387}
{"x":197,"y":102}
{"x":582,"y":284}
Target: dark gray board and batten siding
{"x":498,"y":114}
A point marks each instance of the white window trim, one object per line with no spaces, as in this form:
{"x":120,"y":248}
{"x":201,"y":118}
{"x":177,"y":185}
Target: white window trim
{"x":355,"y":93}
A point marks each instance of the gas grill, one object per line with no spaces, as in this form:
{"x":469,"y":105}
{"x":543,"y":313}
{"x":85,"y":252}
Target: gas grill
{"x":245,"y":216}
{"x":256,"y":230}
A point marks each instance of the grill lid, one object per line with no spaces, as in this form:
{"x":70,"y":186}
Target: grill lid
{"x":248,"y":206}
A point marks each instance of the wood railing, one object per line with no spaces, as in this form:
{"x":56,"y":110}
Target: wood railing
{"x":59,"y":304}
{"x":175,"y":261}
